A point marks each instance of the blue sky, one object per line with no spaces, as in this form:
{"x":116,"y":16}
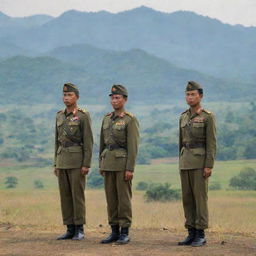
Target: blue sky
{"x":228,"y":11}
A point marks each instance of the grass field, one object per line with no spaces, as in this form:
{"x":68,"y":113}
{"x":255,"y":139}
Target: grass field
{"x":230,"y":211}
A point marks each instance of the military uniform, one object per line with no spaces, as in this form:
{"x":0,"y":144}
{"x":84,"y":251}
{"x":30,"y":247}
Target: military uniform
{"x":197,"y":148}
{"x":118,"y":150}
{"x":73,"y":150}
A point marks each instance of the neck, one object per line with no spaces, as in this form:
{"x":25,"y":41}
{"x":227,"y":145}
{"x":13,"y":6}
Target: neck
{"x":195,"y":108}
{"x":71,"y":108}
{"x":119,"y":111}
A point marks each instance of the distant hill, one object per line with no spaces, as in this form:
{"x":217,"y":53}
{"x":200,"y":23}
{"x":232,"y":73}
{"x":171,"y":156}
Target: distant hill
{"x":184,"y":38}
{"x":149,"y":79}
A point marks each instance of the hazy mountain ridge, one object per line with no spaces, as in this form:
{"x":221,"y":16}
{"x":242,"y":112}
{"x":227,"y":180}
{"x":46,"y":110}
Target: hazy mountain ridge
{"x":184,"y":38}
{"x":148,"y":78}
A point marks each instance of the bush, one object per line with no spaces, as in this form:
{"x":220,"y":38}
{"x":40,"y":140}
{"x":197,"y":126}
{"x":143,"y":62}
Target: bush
{"x":142,"y":185}
{"x":161,"y":192}
{"x":38,"y":184}
{"x":95,"y":180}
{"x":215,"y":185}
{"x":245,"y":180}
{"x":11,"y":182}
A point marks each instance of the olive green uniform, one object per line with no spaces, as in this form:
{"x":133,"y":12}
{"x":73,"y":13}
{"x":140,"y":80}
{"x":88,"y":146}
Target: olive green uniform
{"x":197,"y":147}
{"x":118,"y":150}
{"x":73,"y":150}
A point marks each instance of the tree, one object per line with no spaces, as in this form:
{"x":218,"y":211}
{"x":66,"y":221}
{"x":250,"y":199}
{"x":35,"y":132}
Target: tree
{"x":11,"y":182}
{"x":95,"y":180}
{"x":245,"y":180}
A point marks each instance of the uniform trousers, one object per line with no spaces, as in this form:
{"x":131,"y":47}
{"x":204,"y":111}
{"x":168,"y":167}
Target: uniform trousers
{"x":194,"y":197}
{"x":118,"y":195}
{"x":71,"y":187}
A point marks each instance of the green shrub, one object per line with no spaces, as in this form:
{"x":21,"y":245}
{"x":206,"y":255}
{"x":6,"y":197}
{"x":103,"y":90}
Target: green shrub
{"x":215,"y":185}
{"x":11,"y":182}
{"x":38,"y":184}
{"x":161,"y":192}
{"x":245,"y":180}
{"x":142,"y":185}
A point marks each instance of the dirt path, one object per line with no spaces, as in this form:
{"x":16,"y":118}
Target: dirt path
{"x":144,"y":242}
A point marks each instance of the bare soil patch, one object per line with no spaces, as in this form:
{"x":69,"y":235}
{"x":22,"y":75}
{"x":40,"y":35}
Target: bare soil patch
{"x":26,"y":242}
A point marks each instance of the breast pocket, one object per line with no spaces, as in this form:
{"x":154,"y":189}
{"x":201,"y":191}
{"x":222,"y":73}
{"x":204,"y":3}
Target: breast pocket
{"x":198,"y":130}
{"x":120,"y":132}
{"x":74,"y":128}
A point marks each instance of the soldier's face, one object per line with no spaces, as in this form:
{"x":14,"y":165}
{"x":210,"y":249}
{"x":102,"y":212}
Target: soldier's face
{"x":117,"y":101}
{"x":69,"y":98}
{"x":193,"y":98}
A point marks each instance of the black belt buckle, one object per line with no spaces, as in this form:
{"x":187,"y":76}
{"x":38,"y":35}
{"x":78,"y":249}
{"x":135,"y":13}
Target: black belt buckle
{"x":110,"y":147}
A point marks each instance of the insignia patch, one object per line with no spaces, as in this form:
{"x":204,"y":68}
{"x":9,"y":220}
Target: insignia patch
{"x":75,"y":118}
{"x":113,"y":89}
{"x":198,"y":120}
{"x":120,"y":123}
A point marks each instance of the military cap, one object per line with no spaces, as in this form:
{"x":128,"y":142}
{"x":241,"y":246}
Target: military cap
{"x":119,"y":89}
{"x":69,"y":87}
{"x":192,"y":85}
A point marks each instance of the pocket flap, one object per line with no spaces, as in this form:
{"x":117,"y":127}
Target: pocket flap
{"x":198,"y":151}
{"x":75,"y":149}
{"x":198,"y":125}
{"x":120,"y":154}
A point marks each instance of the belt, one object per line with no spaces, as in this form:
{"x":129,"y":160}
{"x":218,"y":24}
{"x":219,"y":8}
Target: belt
{"x":194,"y":145}
{"x":67,"y":144}
{"x":113,"y":146}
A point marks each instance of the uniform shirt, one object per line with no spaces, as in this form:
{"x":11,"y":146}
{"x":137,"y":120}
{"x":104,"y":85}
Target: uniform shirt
{"x":79,"y":125}
{"x":122,"y":130}
{"x":197,"y":129}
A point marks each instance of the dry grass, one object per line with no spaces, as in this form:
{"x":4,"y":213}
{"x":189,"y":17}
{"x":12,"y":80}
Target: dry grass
{"x":232,"y":212}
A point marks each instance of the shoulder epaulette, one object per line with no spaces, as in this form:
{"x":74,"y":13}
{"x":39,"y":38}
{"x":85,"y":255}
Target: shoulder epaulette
{"x":185,"y":112}
{"x":206,"y":111}
{"x":109,"y":114}
{"x":82,"y":110}
{"x":129,"y":114}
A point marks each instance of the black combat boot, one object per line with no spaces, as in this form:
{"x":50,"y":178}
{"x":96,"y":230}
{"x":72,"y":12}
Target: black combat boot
{"x":79,"y":232}
{"x":113,"y":236}
{"x":189,"y":239}
{"x":199,"y":239}
{"x":124,"y":236}
{"x":69,"y":234}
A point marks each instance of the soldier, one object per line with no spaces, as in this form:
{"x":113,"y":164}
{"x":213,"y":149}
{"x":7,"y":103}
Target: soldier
{"x":73,"y":152}
{"x":197,"y":148}
{"x":118,"y":149}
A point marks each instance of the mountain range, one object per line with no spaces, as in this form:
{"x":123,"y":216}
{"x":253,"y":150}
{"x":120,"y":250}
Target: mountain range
{"x":153,"y":53}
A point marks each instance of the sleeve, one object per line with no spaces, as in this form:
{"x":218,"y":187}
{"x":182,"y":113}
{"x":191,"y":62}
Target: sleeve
{"x":56,"y":144}
{"x":132,"y":143}
{"x":180,"y":136}
{"x":102,"y":144}
{"x":210,"y":142}
{"x":87,"y":140}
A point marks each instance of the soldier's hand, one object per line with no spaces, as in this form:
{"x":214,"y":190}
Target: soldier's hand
{"x":84,"y":170}
{"x":128,"y":175}
{"x":207,"y":172}
{"x":101,"y":173}
{"x":56,"y":172}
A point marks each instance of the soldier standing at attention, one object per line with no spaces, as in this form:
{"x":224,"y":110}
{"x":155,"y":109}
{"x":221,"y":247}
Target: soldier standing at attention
{"x":73,"y":152}
{"x":118,"y":150}
{"x":197,"y":148}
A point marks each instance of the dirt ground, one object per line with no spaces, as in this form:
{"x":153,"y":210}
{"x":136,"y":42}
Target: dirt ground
{"x":29,"y":242}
